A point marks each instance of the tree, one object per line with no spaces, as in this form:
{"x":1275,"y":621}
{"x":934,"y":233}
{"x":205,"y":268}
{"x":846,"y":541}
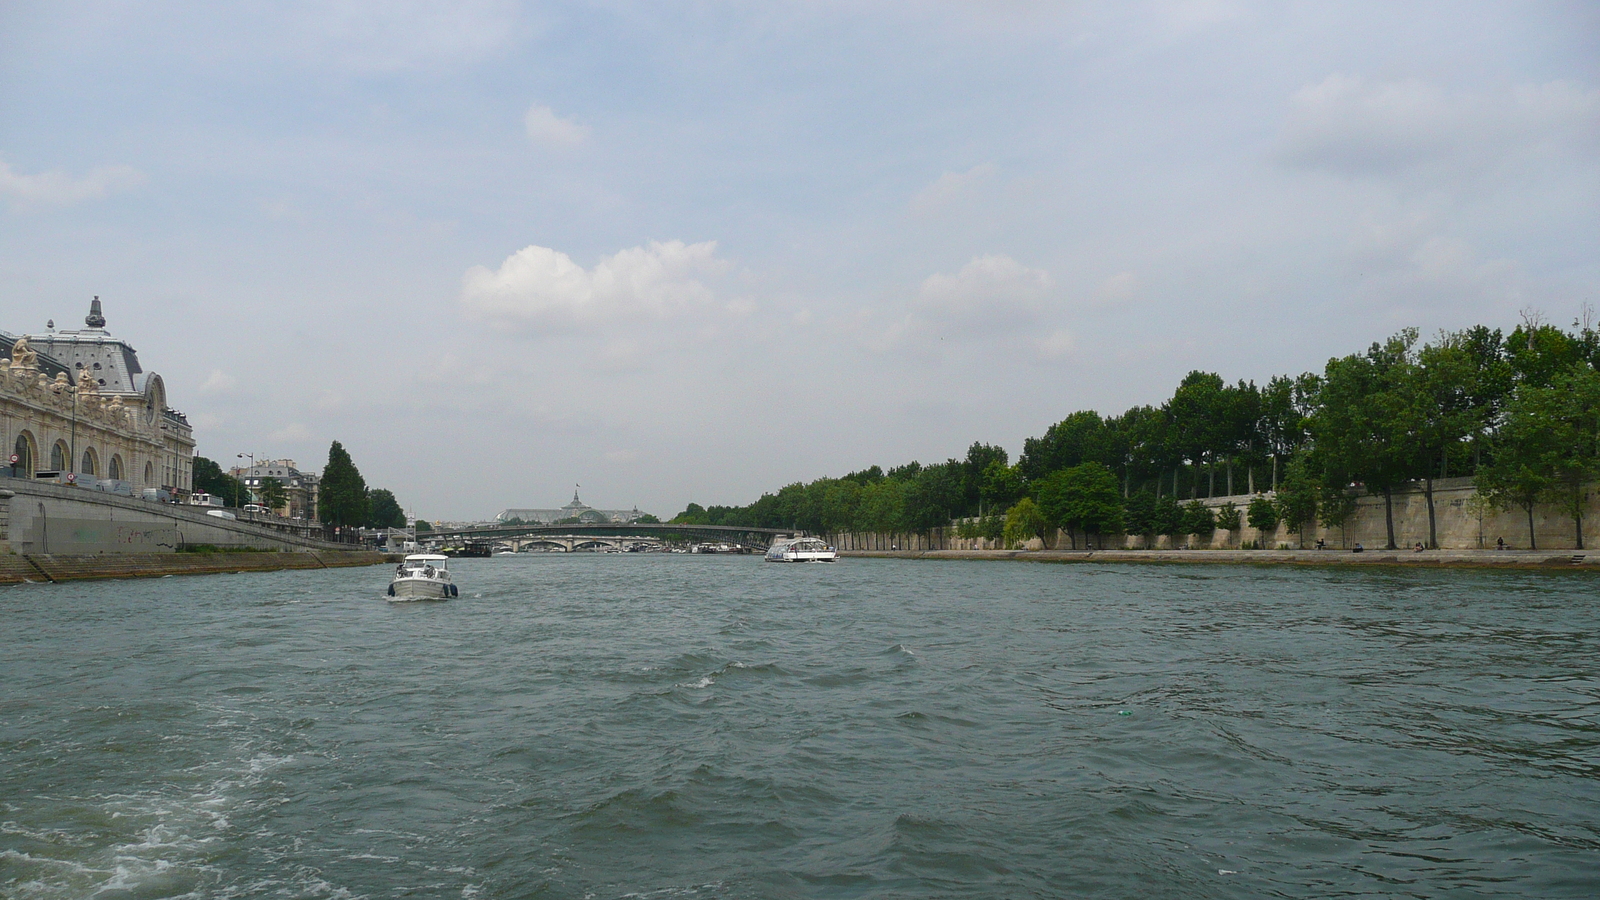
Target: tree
{"x":423,"y":525}
{"x":1198,"y":519}
{"x":1080,"y":437}
{"x":209,"y":478}
{"x":1548,"y":448}
{"x":1367,"y":424}
{"x":344,"y":492}
{"x":1023,"y":522}
{"x":647,"y":519}
{"x":1082,"y":498}
{"x":383,"y":510}
{"x":272,"y":494}
{"x":1229,"y":519}
{"x":1262,"y":515}
{"x":1297,"y":499}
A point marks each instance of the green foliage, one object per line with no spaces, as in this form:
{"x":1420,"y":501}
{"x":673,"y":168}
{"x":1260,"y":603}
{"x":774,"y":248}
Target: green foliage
{"x":424,"y":525}
{"x":272,"y":493}
{"x":1082,"y":499}
{"x":383,"y":510}
{"x":209,"y":478}
{"x":1262,"y":515}
{"x":1547,"y":448}
{"x":1403,"y":411}
{"x":344,"y":492}
{"x":1228,"y":517}
{"x":1198,"y":519}
{"x":647,"y":519}
{"x":1299,"y":495}
{"x":1024,"y":522}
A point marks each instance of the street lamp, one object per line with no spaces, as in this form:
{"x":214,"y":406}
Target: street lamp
{"x":252,"y":457}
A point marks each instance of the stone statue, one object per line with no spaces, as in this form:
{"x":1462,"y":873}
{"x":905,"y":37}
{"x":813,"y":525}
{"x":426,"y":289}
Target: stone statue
{"x":23,"y":356}
{"x":87,"y":383}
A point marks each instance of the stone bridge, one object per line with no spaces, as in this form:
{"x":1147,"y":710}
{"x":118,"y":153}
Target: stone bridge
{"x":614,"y":534}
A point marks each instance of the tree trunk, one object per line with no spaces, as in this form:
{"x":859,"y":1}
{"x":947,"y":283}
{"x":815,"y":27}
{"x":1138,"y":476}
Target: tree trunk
{"x":1211,"y":479}
{"x":1433,"y":532}
{"x":1577,"y":519}
{"x":1388,"y":516}
{"x":1533,"y":542}
{"x":1229,"y":461}
{"x":1274,"y":471}
{"x":1250,"y":476}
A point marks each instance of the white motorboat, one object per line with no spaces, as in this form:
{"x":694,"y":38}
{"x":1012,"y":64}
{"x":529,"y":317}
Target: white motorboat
{"x":806,"y":549}
{"x":423,"y":576}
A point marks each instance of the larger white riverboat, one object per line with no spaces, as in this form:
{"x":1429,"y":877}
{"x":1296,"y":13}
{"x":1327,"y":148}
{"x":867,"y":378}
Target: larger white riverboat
{"x":423,"y":576}
{"x":806,"y":549}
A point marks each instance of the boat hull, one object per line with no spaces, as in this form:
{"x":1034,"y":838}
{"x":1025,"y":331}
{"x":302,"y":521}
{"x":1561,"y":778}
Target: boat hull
{"x":806,"y":556}
{"x":421,"y":589}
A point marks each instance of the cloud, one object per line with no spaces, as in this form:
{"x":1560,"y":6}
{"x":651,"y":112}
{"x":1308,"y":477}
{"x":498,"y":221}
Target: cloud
{"x":1056,"y":344}
{"x":987,"y":288}
{"x":1117,"y":289}
{"x":951,"y":186}
{"x":540,"y":286}
{"x":1353,"y":126}
{"x":290,"y":433}
{"x":60,"y":189}
{"x":218,"y":382}
{"x":397,"y":35}
{"x":546,"y":129}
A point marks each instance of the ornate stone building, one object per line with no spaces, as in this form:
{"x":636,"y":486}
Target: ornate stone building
{"x":576,"y":511}
{"x":78,"y":403}
{"x":300,"y":489}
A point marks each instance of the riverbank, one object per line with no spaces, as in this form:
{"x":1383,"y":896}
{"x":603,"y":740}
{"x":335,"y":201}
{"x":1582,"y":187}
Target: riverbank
{"x":40,"y":568}
{"x":1477,"y":559}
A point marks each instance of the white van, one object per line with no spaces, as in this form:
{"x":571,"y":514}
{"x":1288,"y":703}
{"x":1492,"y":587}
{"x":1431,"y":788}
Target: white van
{"x":206,"y":500}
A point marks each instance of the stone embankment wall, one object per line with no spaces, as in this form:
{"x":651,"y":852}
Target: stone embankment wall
{"x":1461,"y":523}
{"x":38,"y":569}
{"x":60,"y":519}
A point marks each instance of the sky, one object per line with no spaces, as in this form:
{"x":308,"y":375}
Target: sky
{"x":694,"y":251}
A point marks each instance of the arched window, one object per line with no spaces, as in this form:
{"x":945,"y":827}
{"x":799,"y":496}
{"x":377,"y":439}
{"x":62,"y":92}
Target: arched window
{"x":24,"y":453}
{"x":114,"y":468}
{"x":58,"y":456}
{"x":149,"y":475}
{"x":91,"y":465}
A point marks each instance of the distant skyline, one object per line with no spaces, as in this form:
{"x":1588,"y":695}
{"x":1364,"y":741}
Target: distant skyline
{"x":691,"y":252}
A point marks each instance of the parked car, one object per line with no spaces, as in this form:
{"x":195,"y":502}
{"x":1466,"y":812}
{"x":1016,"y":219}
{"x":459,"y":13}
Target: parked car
{"x":159,"y":495}
{"x":256,"y":508}
{"x":221,"y":514}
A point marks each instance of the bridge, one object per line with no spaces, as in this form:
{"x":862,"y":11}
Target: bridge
{"x":743,"y":536}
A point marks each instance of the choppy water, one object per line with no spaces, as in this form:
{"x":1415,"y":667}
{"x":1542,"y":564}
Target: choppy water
{"x":714,"y":727}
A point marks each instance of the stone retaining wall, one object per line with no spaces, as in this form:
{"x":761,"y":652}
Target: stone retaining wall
{"x":40,"y":519}
{"x":22,"y":569}
{"x":1461,"y":523}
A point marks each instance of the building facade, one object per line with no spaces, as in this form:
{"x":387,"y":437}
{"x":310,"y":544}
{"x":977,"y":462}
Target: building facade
{"x":576,"y":511}
{"x":299,"y":488}
{"x":78,"y":403}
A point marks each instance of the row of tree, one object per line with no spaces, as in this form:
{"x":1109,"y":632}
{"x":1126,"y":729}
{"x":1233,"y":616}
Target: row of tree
{"x":1520,"y":413}
{"x":343,"y":496}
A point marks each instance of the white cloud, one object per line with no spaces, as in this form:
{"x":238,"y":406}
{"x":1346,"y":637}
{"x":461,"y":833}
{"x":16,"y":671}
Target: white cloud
{"x":986,"y":288}
{"x":401,"y":34}
{"x":1116,"y":290}
{"x":540,"y":286}
{"x":1056,"y":344}
{"x":1354,"y":126}
{"x":60,"y":189}
{"x":952,"y":186}
{"x":546,"y":129}
{"x":218,"y":382}
{"x":288,"y":434}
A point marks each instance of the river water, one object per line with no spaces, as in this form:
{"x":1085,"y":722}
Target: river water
{"x":715,"y":727}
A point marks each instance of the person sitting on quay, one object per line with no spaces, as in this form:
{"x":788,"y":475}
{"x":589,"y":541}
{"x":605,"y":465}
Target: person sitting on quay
{"x":1357,"y":548}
